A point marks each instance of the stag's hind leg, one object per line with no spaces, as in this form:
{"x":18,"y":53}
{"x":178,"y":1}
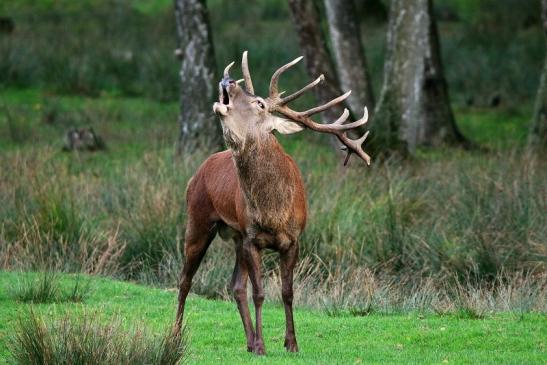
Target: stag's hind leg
{"x":198,"y":237}
{"x":239,"y":289}
{"x":254,"y":263}
{"x":288,"y":262}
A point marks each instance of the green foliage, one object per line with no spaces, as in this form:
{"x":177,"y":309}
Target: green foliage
{"x":126,"y":47}
{"x":84,"y":340}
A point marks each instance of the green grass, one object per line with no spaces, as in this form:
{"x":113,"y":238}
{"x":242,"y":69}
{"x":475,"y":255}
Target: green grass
{"x":495,"y":128}
{"x":45,"y":288}
{"x":216,"y":333}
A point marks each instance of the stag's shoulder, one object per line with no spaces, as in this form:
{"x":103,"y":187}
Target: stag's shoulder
{"x":216,"y":176}
{"x":216,"y":173}
{"x":214,"y":163}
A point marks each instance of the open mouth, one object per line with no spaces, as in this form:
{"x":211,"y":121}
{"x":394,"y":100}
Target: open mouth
{"x":224,"y":103}
{"x":225,"y":97}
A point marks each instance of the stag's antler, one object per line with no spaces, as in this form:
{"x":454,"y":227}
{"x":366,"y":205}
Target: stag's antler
{"x":338,"y":128}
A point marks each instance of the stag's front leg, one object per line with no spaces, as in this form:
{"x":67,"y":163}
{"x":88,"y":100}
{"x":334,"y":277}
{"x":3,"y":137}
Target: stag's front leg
{"x":288,"y":261}
{"x":239,"y":288}
{"x":254,"y":263}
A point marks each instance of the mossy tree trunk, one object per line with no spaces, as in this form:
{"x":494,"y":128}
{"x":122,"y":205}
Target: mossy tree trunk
{"x":538,"y":130}
{"x":414,"y":108}
{"x":198,"y":124}
{"x":306,"y":20}
{"x":349,"y":53}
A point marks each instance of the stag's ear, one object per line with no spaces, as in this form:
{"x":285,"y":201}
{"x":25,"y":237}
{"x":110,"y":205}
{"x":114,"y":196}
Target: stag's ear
{"x":285,"y":126}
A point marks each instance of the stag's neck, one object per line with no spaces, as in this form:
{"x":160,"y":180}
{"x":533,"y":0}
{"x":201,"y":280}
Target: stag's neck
{"x":268,"y":179}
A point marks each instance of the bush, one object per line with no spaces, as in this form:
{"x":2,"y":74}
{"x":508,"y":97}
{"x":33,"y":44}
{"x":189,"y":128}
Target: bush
{"x":84,"y":340}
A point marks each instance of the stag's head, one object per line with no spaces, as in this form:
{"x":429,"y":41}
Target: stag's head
{"x":245,"y":115}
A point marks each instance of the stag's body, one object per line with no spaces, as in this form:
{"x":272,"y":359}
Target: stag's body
{"x":254,"y":194}
{"x":236,"y":195}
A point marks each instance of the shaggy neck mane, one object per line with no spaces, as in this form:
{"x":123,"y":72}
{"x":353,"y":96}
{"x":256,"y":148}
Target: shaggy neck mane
{"x":265,"y":177}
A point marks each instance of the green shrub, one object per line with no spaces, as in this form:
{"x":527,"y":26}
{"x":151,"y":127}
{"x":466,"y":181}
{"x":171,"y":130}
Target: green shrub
{"x":84,"y":340}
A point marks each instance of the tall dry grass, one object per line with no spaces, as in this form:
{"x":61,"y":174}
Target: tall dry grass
{"x":388,"y":237}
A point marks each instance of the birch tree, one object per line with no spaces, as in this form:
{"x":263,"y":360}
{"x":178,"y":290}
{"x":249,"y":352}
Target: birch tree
{"x":198,"y":87}
{"x":349,"y":53}
{"x":414,"y":108}
{"x":538,"y":130}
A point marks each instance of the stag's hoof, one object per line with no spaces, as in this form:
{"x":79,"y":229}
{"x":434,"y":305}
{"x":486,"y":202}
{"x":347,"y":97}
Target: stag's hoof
{"x":291,"y":345}
{"x":259,"y":348}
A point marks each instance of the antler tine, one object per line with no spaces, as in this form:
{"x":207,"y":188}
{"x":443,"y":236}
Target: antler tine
{"x":342,"y":118}
{"x":338,"y":128}
{"x":354,"y":146}
{"x":274,"y":92}
{"x":227,"y":69}
{"x":359,"y":122}
{"x":247,"y":74}
{"x":326,"y":106}
{"x":295,"y":95}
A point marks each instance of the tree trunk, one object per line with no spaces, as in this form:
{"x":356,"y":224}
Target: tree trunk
{"x":371,"y":9}
{"x":349,"y":53}
{"x":306,"y":20}
{"x":198,"y":124}
{"x":414,"y":108}
{"x":538,"y":130}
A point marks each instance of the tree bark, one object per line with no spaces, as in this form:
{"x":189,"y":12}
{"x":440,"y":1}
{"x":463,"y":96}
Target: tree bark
{"x":414,"y":108}
{"x":349,"y":53}
{"x":198,"y":124}
{"x":538,"y":131}
{"x":311,"y":39}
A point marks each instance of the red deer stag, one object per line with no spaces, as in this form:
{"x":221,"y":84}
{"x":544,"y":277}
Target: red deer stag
{"x":253,"y":193}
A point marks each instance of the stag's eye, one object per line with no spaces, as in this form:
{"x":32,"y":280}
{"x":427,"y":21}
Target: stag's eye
{"x":260,"y":104}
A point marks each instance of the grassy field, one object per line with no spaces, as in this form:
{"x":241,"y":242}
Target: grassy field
{"x":216,"y":334}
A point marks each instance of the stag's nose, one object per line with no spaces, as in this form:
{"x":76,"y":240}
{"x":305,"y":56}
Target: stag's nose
{"x":225,"y":85}
{"x":226,"y":81}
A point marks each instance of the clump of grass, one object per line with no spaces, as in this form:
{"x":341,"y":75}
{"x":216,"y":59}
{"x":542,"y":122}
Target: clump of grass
{"x":43,"y":289}
{"x":85,"y":340}
{"x":46,"y":288}
{"x":79,"y":291}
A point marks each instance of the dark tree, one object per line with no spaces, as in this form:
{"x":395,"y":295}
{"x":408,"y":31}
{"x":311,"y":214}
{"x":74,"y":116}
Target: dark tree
{"x":349,"y":53}
{"x":372,"y":9}
{"x":538,"y":130}
{"x":305,"y":17}
{"x":414,"y":108}
{"x":198,"y":87}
